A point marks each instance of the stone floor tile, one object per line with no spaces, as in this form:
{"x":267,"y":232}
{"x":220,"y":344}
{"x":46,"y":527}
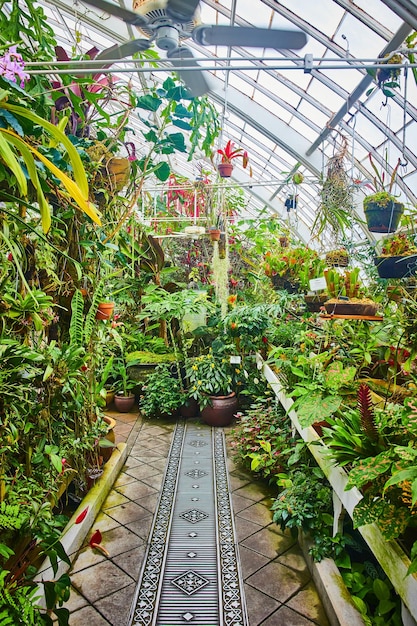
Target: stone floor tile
{"x":149,"y":502}
{"x":154,"y":481}
{"x":258,"y":513}
{"x":277,"y":581}
{"x":240,"y":503}
{"x":131,"y":561}
{"x":159,"y":464}
{"x":141,"y":526}
{"x":136,"y":490}
{"x":115,"y":498}
{"x":259,"y":606}
{"x":268,"y":543}
{"x":250,"y":561}
{"x":105,"y":522}
{"x":285,"y":616}
{"x":245,"y":528}
{"x":142,"y":471}
{"x":116,"y":607}
{"x":131,"y":462}
{"x":119,"y":540}
{"x":100,"y":580}
{"x":123,"y":429}
{"x":76,"y":601}
{"x":294,"y":558}
{"x":87,"y":557}
{"x":236,"y":482}
{"x":88,"y":615}
{"x":253,"y":491}
{"x":123,"y":479}
{"x":308,"y":603}
{"x":127,"y":513}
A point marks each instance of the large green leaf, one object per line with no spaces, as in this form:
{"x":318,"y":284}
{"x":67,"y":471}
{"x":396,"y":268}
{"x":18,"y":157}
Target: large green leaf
{"x":316,"y":408}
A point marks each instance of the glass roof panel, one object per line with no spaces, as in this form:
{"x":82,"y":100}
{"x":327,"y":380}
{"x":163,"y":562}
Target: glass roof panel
{"x":335,"y":30}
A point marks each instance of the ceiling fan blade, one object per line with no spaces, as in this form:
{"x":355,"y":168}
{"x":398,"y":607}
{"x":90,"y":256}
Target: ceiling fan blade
{"x":195,"y":80}
{"x":123,"y":50}
{"x":182,"y":10}
{"x":130,"y":17}
{"x":249,"y":37}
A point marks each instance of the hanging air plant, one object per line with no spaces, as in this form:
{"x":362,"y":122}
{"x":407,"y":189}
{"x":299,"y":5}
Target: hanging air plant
{"x":335,"y":209}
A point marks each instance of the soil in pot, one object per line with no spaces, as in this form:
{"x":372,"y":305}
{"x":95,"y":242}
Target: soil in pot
{"x":221,"y":410}
{"x":351,"y":307}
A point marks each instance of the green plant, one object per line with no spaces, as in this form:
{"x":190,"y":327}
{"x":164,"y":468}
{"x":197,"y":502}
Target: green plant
{"x":346,"y":284}
{"x":306,"y":504}
{"x":161,"y":394}
{"x":382,"y":188}
{"x":397,"y":245}
{"x":208,"y":375}
{"x":262,"y":438}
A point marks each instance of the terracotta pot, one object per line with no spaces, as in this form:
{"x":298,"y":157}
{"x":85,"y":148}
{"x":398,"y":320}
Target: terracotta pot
{"x":190,"y":409}
{"x":124,"y":404}
{"x":225,"y":169}
{"x":215,"y":234}
{"x":221,"y":410}
{"x":105,"y":310}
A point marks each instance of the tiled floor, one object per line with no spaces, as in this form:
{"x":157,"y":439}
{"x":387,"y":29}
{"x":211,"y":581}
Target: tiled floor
{"x":278,"y":587}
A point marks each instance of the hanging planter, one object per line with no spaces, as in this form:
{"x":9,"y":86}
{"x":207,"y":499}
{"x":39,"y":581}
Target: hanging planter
{"x":382,"y":216}
{"x":225,"y":169}
{"x":396,"y":266}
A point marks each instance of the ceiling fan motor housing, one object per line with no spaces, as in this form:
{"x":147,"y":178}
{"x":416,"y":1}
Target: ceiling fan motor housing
{"x":155,"y":13}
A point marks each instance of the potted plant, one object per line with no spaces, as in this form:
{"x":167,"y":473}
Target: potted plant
{"x":161,"y":395}
{"x":398,"y":257}
{"x":382,"y":210}
{"x":124,"y":399}
{"x":227,"y":154}
{"x":346,"y":294}
{"x":337,"y":258}
{"x":210,"y":383}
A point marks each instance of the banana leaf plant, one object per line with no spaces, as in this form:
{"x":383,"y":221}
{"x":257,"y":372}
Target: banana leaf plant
{"x":24,"y":157}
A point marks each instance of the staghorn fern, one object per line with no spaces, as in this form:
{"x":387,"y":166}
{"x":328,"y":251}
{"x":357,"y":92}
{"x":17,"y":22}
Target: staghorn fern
{"x":367,"y":412}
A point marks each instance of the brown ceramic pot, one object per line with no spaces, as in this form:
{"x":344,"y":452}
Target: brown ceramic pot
{"x":221,"y":410}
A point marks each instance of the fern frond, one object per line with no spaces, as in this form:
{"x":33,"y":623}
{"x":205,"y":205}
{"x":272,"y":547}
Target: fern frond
{"x":90,"y":319}
{"x":77,"y":319}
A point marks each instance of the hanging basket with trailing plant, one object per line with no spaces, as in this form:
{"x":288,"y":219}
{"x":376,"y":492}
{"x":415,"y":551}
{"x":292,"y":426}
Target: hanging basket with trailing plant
{"x":382,"y":209}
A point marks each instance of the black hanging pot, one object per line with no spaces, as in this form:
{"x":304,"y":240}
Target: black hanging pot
{"x":383,"y":219}
{"x":396,"y":266}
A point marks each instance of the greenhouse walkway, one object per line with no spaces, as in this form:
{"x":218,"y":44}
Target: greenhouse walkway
{"x":175,"y":484}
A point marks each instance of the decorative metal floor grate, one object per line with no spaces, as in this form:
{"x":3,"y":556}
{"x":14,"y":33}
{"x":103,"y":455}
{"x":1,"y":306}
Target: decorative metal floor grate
{"x":191,"y":573}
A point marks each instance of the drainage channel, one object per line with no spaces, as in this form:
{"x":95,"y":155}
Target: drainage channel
{"x":191,"y":573}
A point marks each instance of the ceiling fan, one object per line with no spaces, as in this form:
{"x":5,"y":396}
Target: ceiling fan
{"x":169,"y":22}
